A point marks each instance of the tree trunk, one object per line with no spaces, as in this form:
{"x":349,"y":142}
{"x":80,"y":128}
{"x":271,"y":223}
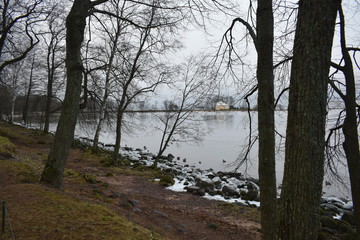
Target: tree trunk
{"x":55,"y":164}
{"x":28,"y":93}
{"x":351,"y":143}
{"x":119,"y":119}
{"x":103,"y":105}
{"x":12,"y":106}
{"x":304,"y":147}
{"x":51,"y":69}
{"x":267,"y":177}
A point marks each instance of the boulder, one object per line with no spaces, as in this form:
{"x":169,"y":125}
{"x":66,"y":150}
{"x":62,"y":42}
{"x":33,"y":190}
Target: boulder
{"x":249,"y":195}
{"x":331,"y":207}
{"x":192,"y":189}
{"x":328,"y":222}
{"x":230,"y":192}
{"x":204,"y":184}
{"x":217,"y":182}
{"x":348,"y":217}
{"x":348,"y":206}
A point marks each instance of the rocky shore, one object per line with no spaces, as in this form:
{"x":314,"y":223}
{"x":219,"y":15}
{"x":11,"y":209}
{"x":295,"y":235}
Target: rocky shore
{"x":337,"y":214}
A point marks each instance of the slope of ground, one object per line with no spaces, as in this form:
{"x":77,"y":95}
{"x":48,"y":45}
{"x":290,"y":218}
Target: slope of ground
{"x":104,"y":202}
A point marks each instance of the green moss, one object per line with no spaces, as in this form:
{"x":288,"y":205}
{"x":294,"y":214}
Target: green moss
{"x":90,"y":178}
{"x":19,"y":171}
{"x":19,"y":133}
{"x":71,"y":173}
{"x":6,"y":147}
{"x":167,"y":180}
{"x":39,"y":216}
{"x":213,"y":226}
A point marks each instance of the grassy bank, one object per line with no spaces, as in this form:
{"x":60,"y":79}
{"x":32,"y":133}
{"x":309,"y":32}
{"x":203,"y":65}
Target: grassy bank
{"x":35,"y":211}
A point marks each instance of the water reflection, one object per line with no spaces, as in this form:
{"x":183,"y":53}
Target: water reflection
{"x":218,"y":150}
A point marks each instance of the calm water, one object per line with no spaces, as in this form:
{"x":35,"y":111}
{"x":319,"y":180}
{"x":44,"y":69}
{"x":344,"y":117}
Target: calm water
{"x":224,"y":138}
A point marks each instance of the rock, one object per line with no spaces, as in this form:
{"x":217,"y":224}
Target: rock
{"x":344,"y":227}
{"x":328,"y":222}
{"x":250,"y":195}
{"x":328,"y":230}
{"x":181,"y":228}
{"x":136,"y":210}
{"x":331,"y":207}
{"x":114,"y":195}
{"x":134,"y":202}
{"x":217,"y":182}
{"x":240,"y":204}
{"x":252,"y":186}
{"x":161,"y":214}
{"x":348,"y":217}
{"x":192,"y":189}
{"x":212,"y":193}
{"x":230,"y":192}
{"x":212,"y":226}
{"x":170,"y":157}
{"x":211,"y":175}
{"x":167,"y":226}
{"x":200,"y":193}
{"x":236,"y":175}
{"x":348,"y":206}
{"x":201,"y":183}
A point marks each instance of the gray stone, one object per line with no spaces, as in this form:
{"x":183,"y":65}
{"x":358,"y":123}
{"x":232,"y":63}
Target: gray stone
{"x":204,"y":184}
{"x":348,"y":206}
{"x":328,"y":222}
{"x":349,"y":217}
{"x":161,"y":214}
{"x":136,"y":210}
{"x":134,"y":202}
{"x":331,"y":207}
{"x":250,"y":195}
{"x":230,"y":192}
{"x":192,"y":189}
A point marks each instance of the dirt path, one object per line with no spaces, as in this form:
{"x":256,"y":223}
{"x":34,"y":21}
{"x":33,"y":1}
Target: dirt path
{"x":174,"y":215}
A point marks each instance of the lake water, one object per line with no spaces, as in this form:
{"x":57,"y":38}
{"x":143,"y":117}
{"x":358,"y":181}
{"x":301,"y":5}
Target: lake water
{"x":219,"y":149}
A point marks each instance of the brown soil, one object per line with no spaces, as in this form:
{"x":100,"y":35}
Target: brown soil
{"x":171,"y":214}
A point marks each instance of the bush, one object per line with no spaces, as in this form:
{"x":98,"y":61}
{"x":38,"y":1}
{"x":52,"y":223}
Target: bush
{"x":167,"y":180}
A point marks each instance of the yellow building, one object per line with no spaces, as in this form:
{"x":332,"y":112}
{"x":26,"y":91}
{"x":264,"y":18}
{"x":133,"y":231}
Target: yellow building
{"x":221,"y":106}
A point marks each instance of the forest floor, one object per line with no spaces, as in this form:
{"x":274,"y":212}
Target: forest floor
{"x":100,"y":202}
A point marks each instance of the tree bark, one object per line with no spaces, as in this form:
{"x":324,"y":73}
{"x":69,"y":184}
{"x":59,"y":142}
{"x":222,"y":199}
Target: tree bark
{"x":51,"y":72}
{"x":351,"y":143}
{"x":103,"y":105}
{"x":304,"y":147}
{"x":55,"y":164}
{"x":267,"y":177}
{"x":28,"y":93}
{"x":119,"y":121}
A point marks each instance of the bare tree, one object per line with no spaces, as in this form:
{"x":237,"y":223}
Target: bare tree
{"x":141,"y":71}
{"x":75,"y":26}
{"x":177,"y":124}
{"x":13,"y":76}
{"x":18,"y":18}
{"x":304,"y":153}
{"x":350,"y":123}
{"x":263,"y":38}
{"x":29,"y":87}
{"x":54,"y":41}
{"x":114,"y":36}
